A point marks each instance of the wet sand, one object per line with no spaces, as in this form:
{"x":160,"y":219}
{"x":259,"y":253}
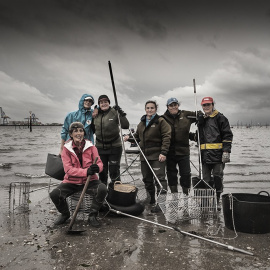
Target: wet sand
{"x":29,"y":241}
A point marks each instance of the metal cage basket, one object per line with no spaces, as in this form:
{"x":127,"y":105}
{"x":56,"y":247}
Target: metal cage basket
{"x":199,"y":203}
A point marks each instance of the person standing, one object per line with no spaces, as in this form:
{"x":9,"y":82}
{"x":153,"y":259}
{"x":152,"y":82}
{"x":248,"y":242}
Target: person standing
{"x":108,"y":141}
{"x":179,"y":152}
{"x":153,"y":134}
{"x":78,"y":157}
{"x":83,"y":115}
{"x":215,"y":144}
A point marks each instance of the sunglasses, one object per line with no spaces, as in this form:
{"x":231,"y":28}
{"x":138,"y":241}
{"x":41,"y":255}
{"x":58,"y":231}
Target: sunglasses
{"x":89,"y":100}
{"x":207,"y":104}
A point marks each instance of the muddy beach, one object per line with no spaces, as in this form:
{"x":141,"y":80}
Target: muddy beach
{"x":29,"y":241}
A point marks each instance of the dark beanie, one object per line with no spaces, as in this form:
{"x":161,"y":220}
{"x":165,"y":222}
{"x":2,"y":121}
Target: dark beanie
{"x":103,"y":97}
{"x":74,"y":126}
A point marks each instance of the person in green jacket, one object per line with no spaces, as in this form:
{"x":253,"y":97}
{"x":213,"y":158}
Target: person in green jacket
{"x":179,"y":152}
{"x":108,"y":141}
{"x":153,"y":134}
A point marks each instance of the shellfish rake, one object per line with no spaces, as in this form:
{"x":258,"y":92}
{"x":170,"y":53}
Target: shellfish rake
{"x":182,"y":232}
{"x":178,"y":206}
{"x":199,"y":203}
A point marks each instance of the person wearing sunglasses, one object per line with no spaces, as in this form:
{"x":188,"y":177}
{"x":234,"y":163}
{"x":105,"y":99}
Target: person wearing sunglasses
{"x":215,"y":137}
{"x":84,"y":115}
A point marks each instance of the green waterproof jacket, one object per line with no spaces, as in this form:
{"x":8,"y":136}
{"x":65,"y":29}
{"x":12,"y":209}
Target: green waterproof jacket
{"x":106,"y":128}
{"x":153,"y":139}
{"x":180,"y":125}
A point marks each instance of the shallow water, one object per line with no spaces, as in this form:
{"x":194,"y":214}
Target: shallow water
{"x":23,"y":157}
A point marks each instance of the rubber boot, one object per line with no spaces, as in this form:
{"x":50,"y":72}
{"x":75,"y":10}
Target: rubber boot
{"x":155,"y":209}
{"x":111,"y":185}
{"x":152,"y":197}
{"x":185,"y":190}
{"x":92,"y":220}
{"x":218,"y":201}
{"x":62,"y":218}
{"x":173,"y":189}
{"x":164,"y":186}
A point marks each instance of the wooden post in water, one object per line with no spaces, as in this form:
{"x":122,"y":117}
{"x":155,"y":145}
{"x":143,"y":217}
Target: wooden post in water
{"x":30,"y":121}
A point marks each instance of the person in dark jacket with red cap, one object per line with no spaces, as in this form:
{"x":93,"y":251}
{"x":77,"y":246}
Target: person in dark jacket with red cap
{"x":215,"y":144}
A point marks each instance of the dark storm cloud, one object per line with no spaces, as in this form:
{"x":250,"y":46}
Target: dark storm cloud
{"x":58,"y":50}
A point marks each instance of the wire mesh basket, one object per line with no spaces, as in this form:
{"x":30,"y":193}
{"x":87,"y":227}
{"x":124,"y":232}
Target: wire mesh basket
{"x":199,"y":203}
{"x":84,"y":209}
{"x":19,"y":196}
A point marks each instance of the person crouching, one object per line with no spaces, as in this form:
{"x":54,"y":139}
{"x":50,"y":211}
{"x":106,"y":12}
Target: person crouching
{"x":78,"y":156}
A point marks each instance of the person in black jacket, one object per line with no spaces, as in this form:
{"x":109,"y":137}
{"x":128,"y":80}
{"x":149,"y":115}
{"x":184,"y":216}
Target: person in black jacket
{"x":178,"y":156}
{"x":108,"y":140}
{"x":215,"y":143}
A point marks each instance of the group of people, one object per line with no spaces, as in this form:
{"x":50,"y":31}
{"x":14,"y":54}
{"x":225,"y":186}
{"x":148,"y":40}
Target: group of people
{"x":163,"y":140}
{"x":78,"y":152}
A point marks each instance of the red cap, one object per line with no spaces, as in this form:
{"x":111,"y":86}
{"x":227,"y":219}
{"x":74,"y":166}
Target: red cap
{"x":206,"y":100}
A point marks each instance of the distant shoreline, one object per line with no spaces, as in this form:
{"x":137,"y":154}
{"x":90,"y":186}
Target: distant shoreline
{"x":21,"y":125}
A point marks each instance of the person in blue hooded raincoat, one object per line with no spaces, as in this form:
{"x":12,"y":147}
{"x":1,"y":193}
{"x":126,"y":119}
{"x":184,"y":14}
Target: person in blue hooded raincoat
{"x":83,"y":115}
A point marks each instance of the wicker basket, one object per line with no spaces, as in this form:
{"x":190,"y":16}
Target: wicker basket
{"x":126,"y":188}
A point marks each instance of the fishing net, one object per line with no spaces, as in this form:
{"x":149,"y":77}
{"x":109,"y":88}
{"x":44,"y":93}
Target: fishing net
{"x":199,"y":203}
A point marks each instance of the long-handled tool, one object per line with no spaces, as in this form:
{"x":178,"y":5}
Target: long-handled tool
{"x":198,"y":132}
{"x":198,"y":138}
{"x":116,"y":103}
{"x":183,"y":232}
{"x":70,"y":231}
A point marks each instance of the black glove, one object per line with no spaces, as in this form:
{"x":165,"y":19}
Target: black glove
{"x":193,"y":136}
{"x":121,"y":112}
{"x":200,"y":118}
{"x":92,"y":169}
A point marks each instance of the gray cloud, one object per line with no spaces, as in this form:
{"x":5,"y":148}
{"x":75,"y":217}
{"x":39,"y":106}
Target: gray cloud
{"x":61,"y":50}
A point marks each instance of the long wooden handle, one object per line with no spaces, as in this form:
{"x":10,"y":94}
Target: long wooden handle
{"x":81,"y":199}
{"x":113,"y":86}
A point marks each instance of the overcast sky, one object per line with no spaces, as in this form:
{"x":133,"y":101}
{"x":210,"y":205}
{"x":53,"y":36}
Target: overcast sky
{"x":52,"y":52}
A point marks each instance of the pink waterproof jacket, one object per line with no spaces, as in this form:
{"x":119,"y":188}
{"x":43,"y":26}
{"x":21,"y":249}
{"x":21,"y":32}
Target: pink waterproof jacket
{"x":75,"y":173}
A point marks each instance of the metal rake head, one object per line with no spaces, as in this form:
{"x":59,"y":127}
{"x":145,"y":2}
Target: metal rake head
{"x":179,"y":207}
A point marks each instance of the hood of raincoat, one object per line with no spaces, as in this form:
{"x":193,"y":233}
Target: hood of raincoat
{"x":81,"y":107}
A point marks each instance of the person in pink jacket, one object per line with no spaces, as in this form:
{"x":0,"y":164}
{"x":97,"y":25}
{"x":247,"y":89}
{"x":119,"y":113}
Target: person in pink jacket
{"x":78,"y":157}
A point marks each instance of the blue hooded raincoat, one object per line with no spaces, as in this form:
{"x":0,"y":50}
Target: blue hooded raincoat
{"x":82,"y":115}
